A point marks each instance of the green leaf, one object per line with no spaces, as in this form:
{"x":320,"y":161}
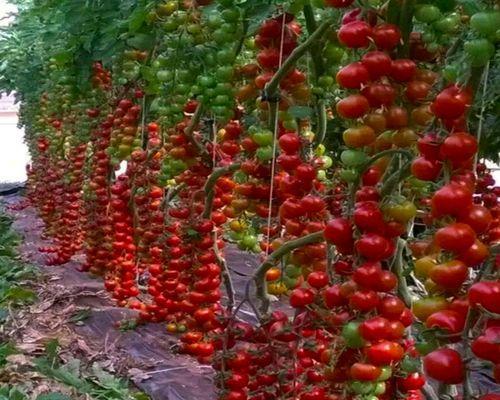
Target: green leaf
{"x":300,"y":112}
{"x":51,"y":350}
{"x":142,"y":41}
{"x":80,"y":316}
{"x":137,"y":19}
{"x":53,"y":396}
{"x":141,"y":396}
{"x":471,"y":7}
{"x":18,"y":295}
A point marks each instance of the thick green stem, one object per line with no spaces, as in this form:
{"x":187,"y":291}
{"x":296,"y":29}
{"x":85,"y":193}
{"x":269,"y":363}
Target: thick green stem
{"x":312,"y":26}
{"x":403,"y":291}
{"x":210,"y":185}
{"x":271,"y":88}
{"x":322,"y":123}
{"x":260,"y":275}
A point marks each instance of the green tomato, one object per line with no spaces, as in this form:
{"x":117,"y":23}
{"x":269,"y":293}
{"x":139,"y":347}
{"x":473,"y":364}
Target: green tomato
{"x":326,"y":81}
{"x":225,"y":56}
{"x":351,"y":335}
{"x":333,"y":53}
{"x":293,"y":271}
{"x":448,"y":24}
{"x":479,"y":51}
{"x":263,"y":138}
{"x":386,"y":373}
{"x":353,"y":158}
{"x":264,"y":153}
{"x":359,"y":387}
{"x":348,"y":175}
{"x":231,"y":14}
{"x":379,"y":389}
{"x":321,"y":175}
{"x":451,"y":72}
{"x":207,"y":81}
{"x":248,"y":241}
{"x":486,"y":23}
{"x":427,"y":13}
{"x":224,"y":73}
{"x":290,"y":282}
{"x":326,"y":161}
{"x":320,"y":150}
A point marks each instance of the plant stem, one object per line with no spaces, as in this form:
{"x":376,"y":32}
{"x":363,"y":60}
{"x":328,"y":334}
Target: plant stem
{"x":260,"y":274}
{"x":312,"y":26}
{"x":272,"y":87}
{"x":209,"y":186}
{"x":195,"y":120}
{"x":481,"y":114}
{"x":398,"y":268}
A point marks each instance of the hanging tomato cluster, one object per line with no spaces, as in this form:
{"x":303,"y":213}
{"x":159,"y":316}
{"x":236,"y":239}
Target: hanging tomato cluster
{"x":338,"y":141}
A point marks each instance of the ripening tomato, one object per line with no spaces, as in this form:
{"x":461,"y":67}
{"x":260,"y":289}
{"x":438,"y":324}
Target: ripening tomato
{"x":423,"y":308}
{"x":355,"y":34}
{"x":417,"y":91}
{"x":385,"y":353}
{"x":444,"y":365}
{"x":455,"y":237}
{"x":486,"y":294}
{"x":353,"y":76}
{"x":377,"y":63}
{"x":360,"y":136}
{"x":353,"y":106}
{"x":364,"y":372}
{"x":396,"y":117}
{"x":386,"y":36}
{"x":450,"y":275}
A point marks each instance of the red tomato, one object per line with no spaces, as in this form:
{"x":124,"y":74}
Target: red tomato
{"x":451,"y":199}
{"x":455,"y":237}
{"x":487,"y":346}
{"x":317,"y":279}
{"x":403,"y":70}
{"x":377,"y":63}
{"x":367,"y":275}
{"x":459,"y":146}
{"x":429,"y":146}
{"x":338,"y":3}
{"x":364,"y":300}
{"x":374,"y":329}
{"x":449,"y":104}
{"x":486,"y":294}
{"x":289,"y":143}
{"x":475,"y":254}
{"x":413,"y":381}
{"x":301,"y":297}
{"x":339,"y":232}
{"x":444,"y":365}
{"x":478,"y":217}
{"x":353,"y":76}
{"x":448,"y":320}
{"x":355,"y":34}
{"x":369,"y":217}
{"x":379,"y":94}
{"x":374,"y":247}
{"x":353,"y":106}
{"x":425,"y":169}
{"x":391,"y":307}
{"x":386,"y":36}
{"x":333,"y":298}
{"x":417,"y":91}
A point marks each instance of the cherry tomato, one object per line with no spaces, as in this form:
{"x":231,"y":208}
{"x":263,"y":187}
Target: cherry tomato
{"x":445,"y":365}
